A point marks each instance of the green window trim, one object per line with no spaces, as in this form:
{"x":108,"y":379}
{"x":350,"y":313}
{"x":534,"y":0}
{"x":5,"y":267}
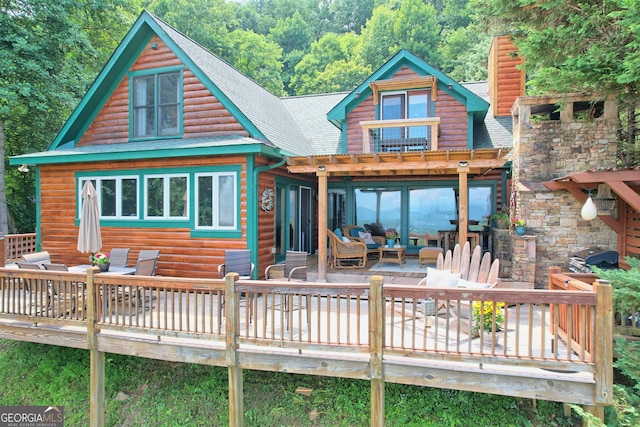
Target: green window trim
{"x":156,"y":103}
{"x":229,"y":207}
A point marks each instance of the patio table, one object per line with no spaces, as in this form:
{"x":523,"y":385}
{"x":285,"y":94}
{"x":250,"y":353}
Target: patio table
{"x":112,"y":270}
{"x":392,"y":254}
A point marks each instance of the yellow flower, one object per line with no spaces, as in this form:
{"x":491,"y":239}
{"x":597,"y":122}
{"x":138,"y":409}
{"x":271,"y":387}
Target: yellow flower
{"x":485,"y":310}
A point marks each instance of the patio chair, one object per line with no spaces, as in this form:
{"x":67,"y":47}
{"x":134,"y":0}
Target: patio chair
{"x":38,"y":258}
{"x":294,"y":267}
{"x":146,"y":267}
{"x":147,"y":254}
{"x":27,"y":265}
{"x":118,"y":257}
{"x":353,"y":253}
{"x":237,"y":261}
{"x":55,"y":267}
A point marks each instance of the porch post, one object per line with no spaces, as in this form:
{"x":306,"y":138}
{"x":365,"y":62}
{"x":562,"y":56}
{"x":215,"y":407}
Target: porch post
{"x":463,"y":203}
{"x":322,"y":223}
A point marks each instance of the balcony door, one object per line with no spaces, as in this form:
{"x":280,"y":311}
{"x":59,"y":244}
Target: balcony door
{"x":401,"y":106}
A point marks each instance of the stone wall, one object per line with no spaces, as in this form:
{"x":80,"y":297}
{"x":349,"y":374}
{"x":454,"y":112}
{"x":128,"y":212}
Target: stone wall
{"x":548,"y":149}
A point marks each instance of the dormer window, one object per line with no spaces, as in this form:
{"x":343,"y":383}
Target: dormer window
{"x":399,"y":106}
{"x":156,"y":104}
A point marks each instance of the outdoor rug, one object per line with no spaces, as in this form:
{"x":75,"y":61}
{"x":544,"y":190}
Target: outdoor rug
{"x":409,"y":266}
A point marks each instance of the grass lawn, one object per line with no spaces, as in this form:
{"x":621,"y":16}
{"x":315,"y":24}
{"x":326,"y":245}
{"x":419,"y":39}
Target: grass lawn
{"x":144,"y":392}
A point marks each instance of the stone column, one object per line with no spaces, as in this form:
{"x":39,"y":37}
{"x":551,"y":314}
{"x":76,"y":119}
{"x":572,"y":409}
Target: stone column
{"x":523,"y":266}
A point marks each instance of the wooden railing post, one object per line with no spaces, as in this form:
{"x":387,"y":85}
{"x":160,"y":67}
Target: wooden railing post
{"x":232,"y":328}
{"x":376,"y":348}
{"x":96,"y":357}
{"x":3,"y":250}
{"x":603,"y":342}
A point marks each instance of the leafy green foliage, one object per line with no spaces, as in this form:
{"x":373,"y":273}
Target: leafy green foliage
{"x":626,"y":299}
{"x":145,"y":392}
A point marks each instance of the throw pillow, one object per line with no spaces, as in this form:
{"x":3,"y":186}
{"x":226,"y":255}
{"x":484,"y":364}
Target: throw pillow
{"x":376,"y":229}
{"x":441,"y":278}
{"x":345,"y":239}
{"x":354,"y":232}
{"x":367,"y":238}
{"x":472,"y":285}
{"x":338,"y":232}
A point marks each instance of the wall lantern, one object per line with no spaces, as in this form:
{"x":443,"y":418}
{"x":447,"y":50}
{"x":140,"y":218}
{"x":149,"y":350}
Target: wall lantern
{"x":23,"y":168}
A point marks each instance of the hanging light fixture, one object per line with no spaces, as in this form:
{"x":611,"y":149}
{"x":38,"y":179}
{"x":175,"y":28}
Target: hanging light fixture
{"x":605,"y":202}
{"x":589,"y":210}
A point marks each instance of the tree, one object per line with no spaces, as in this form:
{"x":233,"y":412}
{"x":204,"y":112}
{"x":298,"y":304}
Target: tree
{"x":206,"y":21}
{"x":324,"y":52}
{"x":410,"y":24}
{"x":47,"y":59}
{"x":582,"y":46}
{"x":257,"y":57}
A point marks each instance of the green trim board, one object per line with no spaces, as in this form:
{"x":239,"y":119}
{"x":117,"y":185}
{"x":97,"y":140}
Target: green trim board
{"x":156,"y":72}
{"x":140,"y":221}
{"x":151,"y":149}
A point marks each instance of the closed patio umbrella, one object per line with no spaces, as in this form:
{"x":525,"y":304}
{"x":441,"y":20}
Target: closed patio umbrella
{"x":89,"y":237}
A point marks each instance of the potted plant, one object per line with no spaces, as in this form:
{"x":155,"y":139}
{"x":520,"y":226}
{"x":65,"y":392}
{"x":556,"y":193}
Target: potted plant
{"x":501,"y":219}
{"x":518,"y":224}
{"x":482,"y":315}
{"x":391,"y":235}
{"x":101,"y":259}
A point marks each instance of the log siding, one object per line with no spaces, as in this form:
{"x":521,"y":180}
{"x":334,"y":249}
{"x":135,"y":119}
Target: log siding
{"x":454,"y":128}
{"x":181,"y":254}
{"x":203,"y":114}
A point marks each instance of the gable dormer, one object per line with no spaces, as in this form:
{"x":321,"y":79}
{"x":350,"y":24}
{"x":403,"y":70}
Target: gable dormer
{"x":408,"y":105}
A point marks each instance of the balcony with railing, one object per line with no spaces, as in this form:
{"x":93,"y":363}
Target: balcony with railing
{"x":403,"y":135}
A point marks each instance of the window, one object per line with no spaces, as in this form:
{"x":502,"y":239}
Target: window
{"x":166,"y":196}
{"x":216,"y":201}
{"x":156,"y":105}
{"x":401,"y":106}
{"x":117,"y":196}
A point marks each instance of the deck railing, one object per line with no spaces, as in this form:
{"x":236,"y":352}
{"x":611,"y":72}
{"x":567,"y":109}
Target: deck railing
{"x":328,"y":329}
{"x":571,"y":318}
{"x":384,"y":136}
{"x":16,"y":245}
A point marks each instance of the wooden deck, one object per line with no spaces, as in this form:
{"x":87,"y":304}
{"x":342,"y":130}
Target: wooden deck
{"x":370,"y":331}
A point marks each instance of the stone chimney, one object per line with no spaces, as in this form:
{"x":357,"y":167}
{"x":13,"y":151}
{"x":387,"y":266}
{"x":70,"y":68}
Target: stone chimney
{"x":506,"y":82}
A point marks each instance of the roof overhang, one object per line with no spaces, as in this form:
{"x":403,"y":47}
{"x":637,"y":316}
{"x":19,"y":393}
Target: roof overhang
{"x":152,"y":149}
{"x":476,"y":162}
{"x":624,"y":183}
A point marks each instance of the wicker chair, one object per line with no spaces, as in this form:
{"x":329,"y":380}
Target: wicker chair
{"x":352,"y":253}
{"x":237,"y":261}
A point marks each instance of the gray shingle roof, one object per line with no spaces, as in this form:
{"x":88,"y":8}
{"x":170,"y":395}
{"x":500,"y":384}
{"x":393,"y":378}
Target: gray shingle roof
{"x":496,"y":132}
{"x":310,"y":113}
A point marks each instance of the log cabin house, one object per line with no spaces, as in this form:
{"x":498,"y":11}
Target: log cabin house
{"x":191,"y":157}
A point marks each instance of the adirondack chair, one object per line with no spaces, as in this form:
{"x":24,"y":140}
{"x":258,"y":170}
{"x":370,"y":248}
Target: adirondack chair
{"x":459,"y":269}
{"x":474,"y":270}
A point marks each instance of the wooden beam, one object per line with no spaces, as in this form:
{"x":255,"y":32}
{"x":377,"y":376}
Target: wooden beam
{"x":323,"y":195}
{"x":96,"y":357}
{"x":232,"y":330}
{"x":605,"y":176}
{"x":626,"y":193}
{"x":377,"y":165}
{"x":376,"y":349}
